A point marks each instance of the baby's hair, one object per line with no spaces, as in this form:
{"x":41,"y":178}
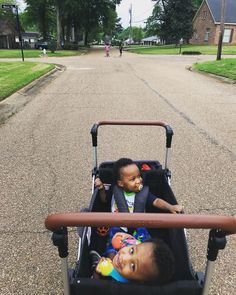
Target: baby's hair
{"x":123,"y":162}
{"x":164,"y":260}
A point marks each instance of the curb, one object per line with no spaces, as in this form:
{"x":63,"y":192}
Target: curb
{"x":15,"y":102}
{"x":219,"y":78}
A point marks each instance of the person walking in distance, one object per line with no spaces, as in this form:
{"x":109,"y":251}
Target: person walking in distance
{"x":121,"y":48}
{"x":107,"y":50}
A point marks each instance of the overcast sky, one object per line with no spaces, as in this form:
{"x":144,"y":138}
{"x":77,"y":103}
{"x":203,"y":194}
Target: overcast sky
{"x":141,"y":10}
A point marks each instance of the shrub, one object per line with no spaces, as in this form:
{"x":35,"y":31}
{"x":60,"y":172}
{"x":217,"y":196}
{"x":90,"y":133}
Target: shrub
{"x":52,"y":46}
{"x":70,"y":46}
{"x":191,"y":52}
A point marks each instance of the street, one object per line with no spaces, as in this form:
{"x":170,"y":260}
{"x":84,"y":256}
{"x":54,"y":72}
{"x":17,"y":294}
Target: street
{"x":46,"y":155}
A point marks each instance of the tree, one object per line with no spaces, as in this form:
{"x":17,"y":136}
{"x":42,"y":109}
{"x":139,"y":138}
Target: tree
{"x":196,"y":4}
{"x":172,"y":19}
{"x":153,"y":22}
{"x":61,"y":17}
{"x":177,"y":21}
{"x":42,"y":14}
{"x":137,"y":34}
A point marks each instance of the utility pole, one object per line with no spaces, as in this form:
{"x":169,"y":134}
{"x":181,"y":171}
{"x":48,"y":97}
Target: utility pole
{"x":222,"y":26}
{"x":130,"y":24}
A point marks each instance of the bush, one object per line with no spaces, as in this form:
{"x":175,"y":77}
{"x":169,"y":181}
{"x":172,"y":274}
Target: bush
{"x":70,"y":46}
{"x":191,"y":52}
{"x":26,"y":45}
{"x":52,"y":46}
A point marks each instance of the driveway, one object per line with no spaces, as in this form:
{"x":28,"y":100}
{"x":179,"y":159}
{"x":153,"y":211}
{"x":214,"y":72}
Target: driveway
{"x":46,"y":154}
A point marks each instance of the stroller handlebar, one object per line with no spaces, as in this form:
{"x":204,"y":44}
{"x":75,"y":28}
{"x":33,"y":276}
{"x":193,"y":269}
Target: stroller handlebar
{"x":169,"y":131}
{"x":151,"y":220}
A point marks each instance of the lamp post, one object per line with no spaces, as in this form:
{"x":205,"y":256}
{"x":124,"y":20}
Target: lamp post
{"x":10,"y":7}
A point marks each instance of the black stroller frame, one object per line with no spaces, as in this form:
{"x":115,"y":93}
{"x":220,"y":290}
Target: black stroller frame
{"x":78,"y":281}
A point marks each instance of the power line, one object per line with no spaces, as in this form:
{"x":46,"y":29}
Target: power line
{"x":139,"y":21}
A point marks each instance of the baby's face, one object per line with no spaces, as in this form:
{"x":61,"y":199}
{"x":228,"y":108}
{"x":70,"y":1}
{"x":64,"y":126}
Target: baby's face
{"x":131,"y":180}
{"x":136,"y":262}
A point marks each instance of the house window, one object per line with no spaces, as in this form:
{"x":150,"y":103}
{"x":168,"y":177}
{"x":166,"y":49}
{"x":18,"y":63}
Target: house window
{"x":227,"y":36}
{"x":207,"y":33}
{"x":204,"y":14}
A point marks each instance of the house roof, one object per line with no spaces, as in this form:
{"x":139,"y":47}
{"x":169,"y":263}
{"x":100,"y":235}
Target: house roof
{"x":150,"y":39}
{"x":30,"y":34}
{"x":230,"y":10}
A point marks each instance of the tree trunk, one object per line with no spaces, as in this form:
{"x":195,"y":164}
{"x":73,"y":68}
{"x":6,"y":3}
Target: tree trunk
{"x":86,"y":38}
{"x":58,"y":28}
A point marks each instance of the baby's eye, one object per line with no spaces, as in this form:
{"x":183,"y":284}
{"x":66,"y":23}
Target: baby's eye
{"x":132,"y":266}
{"x":131,"y":251}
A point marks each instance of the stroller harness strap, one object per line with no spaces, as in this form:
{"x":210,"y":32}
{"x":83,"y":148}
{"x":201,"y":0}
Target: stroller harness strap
{"x":139,"y":202}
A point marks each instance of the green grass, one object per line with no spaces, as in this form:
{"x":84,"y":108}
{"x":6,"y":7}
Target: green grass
{"x":15,"y":75}
{"x":225,"y":67}
{"x":172,"y":49}
{"x":16,"y":53}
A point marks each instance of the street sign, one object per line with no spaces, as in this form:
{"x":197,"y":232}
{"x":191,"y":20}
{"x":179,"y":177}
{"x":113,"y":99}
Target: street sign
{"x":8,"y":6}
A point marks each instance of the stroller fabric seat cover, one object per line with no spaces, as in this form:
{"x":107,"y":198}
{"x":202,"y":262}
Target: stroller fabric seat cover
{"x":139,"y":202}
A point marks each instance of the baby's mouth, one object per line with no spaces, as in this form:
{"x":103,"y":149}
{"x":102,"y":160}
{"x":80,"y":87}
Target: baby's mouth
{"x":116,"y":261}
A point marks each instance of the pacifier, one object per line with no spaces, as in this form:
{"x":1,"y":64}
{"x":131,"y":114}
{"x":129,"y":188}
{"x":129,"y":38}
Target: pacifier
{"x":140,"y":187}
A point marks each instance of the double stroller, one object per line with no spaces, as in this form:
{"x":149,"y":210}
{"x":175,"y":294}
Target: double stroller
{"x":93,"y":224}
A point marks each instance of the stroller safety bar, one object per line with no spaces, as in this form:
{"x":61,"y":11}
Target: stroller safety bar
{"x":94,"y":133}
{"x":169,"y":131}
{"x":227,"y":224}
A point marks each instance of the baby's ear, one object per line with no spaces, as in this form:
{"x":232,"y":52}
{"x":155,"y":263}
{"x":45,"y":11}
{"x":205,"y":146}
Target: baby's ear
{"x":120,"y":183}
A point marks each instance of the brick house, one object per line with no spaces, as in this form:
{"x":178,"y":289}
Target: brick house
{"x":206,"y":23}
{"x":7,"y":34}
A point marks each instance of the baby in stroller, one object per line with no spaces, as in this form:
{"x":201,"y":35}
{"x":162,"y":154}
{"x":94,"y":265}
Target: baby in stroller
{"x":129,"y":188}
{"x":148,"y":261}
{"x":126,"y":193}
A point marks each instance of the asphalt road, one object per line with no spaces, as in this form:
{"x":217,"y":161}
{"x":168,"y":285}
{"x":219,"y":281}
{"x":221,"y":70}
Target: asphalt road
{"x":46,"y":154}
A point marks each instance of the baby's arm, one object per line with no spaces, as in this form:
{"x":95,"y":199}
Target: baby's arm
{"x":163,"y":205}
{"x":102,"y":193}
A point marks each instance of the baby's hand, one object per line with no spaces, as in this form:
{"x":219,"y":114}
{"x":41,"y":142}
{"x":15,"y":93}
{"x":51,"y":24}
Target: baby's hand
{"x":98,"y":183}
{"x":175,"y":209}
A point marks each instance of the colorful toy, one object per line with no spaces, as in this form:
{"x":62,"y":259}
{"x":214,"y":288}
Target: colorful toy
{"x":139,"y":236}
{"x":118,"y":242}
{"x":106,"y":268}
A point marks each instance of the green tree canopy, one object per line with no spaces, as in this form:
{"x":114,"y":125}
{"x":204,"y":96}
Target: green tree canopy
{"x":172,"y":19}
{"x":62,"y":15}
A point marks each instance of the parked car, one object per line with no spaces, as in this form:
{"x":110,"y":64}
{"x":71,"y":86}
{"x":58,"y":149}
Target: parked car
{"x":41,"y":45}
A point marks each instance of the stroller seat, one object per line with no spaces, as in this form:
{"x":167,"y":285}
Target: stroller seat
{"x":158,"y":184}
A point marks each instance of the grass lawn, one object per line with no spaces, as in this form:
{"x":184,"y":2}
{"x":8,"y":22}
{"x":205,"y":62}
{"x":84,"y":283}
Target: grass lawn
{"x":172,"y":49}
{"x":16,"y":53}
{"x":225,"y":67}
{"x":15,"y":75}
